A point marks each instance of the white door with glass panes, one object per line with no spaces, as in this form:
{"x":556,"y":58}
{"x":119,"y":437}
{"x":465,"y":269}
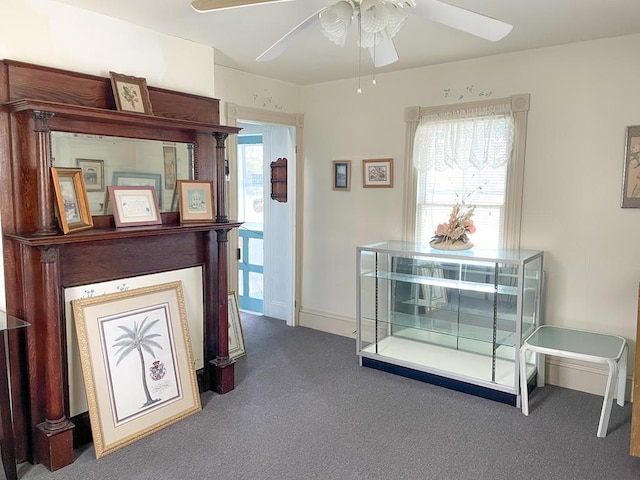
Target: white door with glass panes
{"x":266,"y":239}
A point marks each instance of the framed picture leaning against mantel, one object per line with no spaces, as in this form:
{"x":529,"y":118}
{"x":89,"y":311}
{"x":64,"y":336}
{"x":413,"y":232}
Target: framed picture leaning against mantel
{"x":71,"y":199}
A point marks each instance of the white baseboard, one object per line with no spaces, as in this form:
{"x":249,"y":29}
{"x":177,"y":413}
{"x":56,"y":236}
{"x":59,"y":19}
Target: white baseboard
{"x":583,"y":377}
{"x":589,"y":378}
{"x":327,"y":322}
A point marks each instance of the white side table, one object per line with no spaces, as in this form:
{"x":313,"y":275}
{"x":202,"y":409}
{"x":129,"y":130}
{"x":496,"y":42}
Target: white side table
{"x":578,"y":345}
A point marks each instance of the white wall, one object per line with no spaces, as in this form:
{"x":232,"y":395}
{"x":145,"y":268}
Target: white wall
{"x":50,"y":33}
{"x":253,"y":91}
{"x":583,"y":96}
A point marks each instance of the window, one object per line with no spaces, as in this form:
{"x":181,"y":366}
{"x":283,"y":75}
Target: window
{"x":471,"y":153}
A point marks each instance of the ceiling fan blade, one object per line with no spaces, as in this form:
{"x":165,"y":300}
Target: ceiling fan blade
{"x":290,"y":38}
{"x":384,"y":53}
{"x":462,"y":19}
{"x":204,"y":6}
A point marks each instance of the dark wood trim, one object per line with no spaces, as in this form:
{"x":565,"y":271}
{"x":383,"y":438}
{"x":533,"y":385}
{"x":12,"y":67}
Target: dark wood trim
{"x":98,"y":115}
{"x":40,"y":262}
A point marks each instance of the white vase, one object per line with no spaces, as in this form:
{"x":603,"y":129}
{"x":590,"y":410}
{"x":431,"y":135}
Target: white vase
{"x":449,"y":245}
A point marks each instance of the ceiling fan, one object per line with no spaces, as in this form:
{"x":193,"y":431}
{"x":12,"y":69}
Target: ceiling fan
{"x":377,"y":20}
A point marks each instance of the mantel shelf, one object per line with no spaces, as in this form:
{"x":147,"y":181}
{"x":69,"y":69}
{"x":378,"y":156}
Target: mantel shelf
{"x":97,"y":234}
{"x":92,"y":114}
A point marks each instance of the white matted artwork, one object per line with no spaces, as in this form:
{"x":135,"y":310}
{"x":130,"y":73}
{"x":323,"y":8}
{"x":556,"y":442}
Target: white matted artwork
{"x":191,"y":279}
{"x":136,"y":362}
{"x":237,"y":346}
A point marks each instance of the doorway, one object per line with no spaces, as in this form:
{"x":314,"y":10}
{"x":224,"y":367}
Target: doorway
{"x":266,"y":240}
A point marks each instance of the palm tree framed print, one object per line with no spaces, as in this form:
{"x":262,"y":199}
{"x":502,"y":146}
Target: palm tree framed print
{"x":137,"y":363}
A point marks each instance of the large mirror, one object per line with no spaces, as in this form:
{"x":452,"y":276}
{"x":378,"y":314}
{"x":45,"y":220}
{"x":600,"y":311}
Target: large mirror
{"x":124,"y":161}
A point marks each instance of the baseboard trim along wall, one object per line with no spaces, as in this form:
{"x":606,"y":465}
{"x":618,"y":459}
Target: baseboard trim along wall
{"x":328,"y":322}
{"x":573,"y":375}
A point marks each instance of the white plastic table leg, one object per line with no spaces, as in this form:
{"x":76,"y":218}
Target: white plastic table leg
{"x":541,"y":367}
{"x":607,"y":403}
{"x":622,"y":376}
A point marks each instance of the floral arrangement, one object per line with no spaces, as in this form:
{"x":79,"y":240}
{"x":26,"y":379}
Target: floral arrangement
{"x":458,"y":227}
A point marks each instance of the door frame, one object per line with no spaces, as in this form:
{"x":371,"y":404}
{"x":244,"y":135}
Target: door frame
{"x":236,"y":113}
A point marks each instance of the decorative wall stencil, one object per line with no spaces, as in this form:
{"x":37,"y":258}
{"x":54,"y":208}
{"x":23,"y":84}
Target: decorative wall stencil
{"x":264,"y":99}
{"x":467,"y":92}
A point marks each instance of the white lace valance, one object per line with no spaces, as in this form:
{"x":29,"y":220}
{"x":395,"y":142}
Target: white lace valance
{"x":481,"y":137}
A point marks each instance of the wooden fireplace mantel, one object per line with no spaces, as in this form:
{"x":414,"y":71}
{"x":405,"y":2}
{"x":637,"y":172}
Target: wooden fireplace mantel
{"x":40,"y":262}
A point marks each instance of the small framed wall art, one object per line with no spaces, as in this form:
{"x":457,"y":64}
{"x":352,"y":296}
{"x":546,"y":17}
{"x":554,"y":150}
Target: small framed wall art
{"x":631,"y":177}
{"x":195,"y":201}
{"x":134,"y":206}
{"x":131,"y":93}
{"x":341,"y":175}
{"x":71,"y":199}
{"x":377,"y":173}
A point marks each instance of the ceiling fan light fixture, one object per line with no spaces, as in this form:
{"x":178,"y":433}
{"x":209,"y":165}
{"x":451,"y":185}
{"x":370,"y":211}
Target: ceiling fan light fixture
{"x":368,"y":40}
{"x":396,"y":20}
{"x":336,"y":20}
{"x":374,"y":15}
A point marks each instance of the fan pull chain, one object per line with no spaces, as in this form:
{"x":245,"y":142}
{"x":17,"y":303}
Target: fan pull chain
{"x":374,"y":59}
{"x":359,"y":52}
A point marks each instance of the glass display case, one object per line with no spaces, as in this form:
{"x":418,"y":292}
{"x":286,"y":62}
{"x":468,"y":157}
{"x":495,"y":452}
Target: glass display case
{"x":454,"y":318}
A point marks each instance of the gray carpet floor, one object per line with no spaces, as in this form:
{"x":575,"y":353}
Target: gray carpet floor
{"x":304,"y":409}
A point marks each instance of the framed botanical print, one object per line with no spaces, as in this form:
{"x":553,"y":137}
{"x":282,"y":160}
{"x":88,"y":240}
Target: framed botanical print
{"x":137,"y":363}
{"x":131,"y":93}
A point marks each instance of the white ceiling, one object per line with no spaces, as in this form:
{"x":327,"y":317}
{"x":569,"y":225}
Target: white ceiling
{"x":240,"y":35}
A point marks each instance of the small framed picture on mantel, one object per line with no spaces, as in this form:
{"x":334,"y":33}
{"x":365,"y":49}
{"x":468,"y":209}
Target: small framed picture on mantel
{"x":131,"y":93}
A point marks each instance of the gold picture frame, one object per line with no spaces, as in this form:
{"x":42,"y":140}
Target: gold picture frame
{"x":120,"y":336}
{"x":72,"y":203}
{"x":131,"y":93}
{"x":195,"y":201}
{"x":237,"y":347}
{"x":377,"y":173}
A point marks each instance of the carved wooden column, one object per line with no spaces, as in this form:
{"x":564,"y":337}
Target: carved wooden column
{"x":54,"y":438}
{"x":221,"y":203}
{"x":222,"y":374}
{"x":46,"y":225}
